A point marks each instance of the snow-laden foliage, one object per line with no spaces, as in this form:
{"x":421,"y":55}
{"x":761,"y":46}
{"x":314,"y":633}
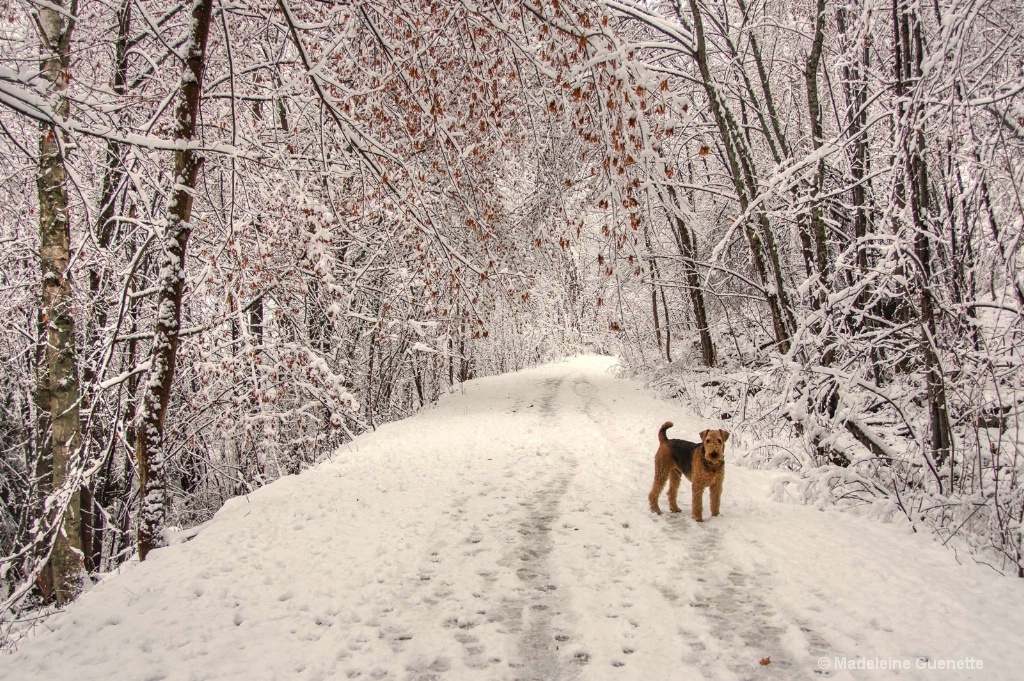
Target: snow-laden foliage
{"x":850,"y":174}
{"x":366,"y":205}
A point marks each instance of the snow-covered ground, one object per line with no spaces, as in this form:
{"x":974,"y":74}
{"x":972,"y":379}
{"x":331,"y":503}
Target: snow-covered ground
{"x":505,"y":534}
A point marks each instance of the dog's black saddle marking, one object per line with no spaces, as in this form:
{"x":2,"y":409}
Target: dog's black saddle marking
{"x":682,"y":454}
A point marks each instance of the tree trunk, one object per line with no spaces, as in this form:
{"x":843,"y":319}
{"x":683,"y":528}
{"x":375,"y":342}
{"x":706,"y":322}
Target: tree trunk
{"x":769,"y":99}
{"x":151,"y":448}
{"x":687,"y":249}
{"x":763,"y":251}
{"x":652,"y":269}
{"x":114,"y":173}
{"x":317,"y":327}
{"x":855,"y":86}
{"x":668,"y":327}
{"x":908,"y":50}
{"x":113,"y":176}
{"x":43,"y":473}
{"x":60,"y":392}
{"x":817,"y":222}
{"x":654,"y":313}
{"x":256,"y":321}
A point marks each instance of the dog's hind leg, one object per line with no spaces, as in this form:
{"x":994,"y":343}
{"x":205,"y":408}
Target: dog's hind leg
{"x":673,"y":490}
{"x":660,"y":478}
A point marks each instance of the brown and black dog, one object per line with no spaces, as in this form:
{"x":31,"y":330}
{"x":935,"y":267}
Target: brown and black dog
{"x":702,"y":463}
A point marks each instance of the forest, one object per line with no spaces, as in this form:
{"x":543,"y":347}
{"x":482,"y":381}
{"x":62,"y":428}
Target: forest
{"x":236,"y":235}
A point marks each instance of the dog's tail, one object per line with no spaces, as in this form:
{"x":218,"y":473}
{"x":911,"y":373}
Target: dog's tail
{"x":662,"y":438}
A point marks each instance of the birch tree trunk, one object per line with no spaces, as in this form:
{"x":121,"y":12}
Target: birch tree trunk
{"x":43,"y":473}
{"x":59,"y":383}
{"x":151,"y":448}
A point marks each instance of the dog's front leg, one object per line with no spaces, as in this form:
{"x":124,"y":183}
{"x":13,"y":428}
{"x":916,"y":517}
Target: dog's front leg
{"x":697,"y":503}
{"x":716,"y":498}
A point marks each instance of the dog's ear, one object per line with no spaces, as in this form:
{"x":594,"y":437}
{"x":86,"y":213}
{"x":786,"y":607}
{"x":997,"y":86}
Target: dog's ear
{"x":704,"y":434}
{"x":725,"y":435}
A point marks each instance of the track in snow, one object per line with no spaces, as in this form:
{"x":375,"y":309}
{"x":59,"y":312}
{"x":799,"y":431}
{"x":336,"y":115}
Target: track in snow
{"x":504,"y":535}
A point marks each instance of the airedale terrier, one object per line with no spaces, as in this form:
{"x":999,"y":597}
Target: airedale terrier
{"x":702,"y":463}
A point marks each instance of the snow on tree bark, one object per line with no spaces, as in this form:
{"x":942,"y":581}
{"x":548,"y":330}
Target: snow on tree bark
{"x":60,"y":383}
{"x":151,"y":449}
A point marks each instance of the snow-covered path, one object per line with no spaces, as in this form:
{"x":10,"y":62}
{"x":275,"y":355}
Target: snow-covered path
{"x":504,"y":534}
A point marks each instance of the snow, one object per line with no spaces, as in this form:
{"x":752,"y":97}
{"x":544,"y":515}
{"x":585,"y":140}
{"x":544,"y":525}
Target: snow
{"x":505,"y":534}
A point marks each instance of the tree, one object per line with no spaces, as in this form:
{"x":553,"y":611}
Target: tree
{"x":58,"y":390}
{"x":152,"y":447}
